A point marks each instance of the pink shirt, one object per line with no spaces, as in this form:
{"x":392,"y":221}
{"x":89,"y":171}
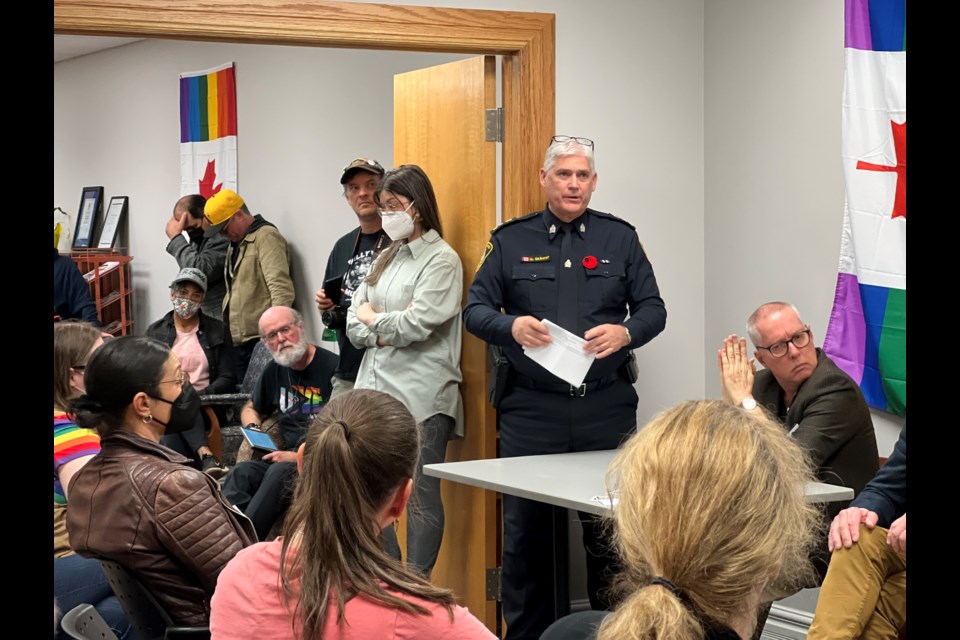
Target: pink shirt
{"x":247,"y":604}
{"x":193,"y":360}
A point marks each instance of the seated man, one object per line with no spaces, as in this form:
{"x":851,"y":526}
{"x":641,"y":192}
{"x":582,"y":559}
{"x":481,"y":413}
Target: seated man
{"x":206,"y":355}
{"x":295,"y":385}
{"x":71,"y":293}
{"x":820,"y":405}
{"x":865,"y":592}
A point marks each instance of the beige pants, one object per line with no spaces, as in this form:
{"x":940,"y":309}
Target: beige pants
{"x":864,"y":594}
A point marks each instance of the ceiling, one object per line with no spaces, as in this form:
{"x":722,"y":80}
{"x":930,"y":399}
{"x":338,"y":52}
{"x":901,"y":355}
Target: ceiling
{"x":66,"y":47}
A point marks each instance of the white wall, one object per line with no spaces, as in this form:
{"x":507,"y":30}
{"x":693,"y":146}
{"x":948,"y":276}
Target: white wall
{"x":629,"y":76}
{"x":774,"y":182}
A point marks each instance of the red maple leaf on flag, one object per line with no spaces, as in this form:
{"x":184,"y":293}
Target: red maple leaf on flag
{"x":207,"y":189}
{"x":899,"y":132}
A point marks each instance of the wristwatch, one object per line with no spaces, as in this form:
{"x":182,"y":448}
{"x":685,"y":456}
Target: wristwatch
{"x":629,"y":337}
{"x":748,"y":403}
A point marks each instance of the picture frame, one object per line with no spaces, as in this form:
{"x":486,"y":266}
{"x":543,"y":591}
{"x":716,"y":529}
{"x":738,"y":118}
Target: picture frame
{"x":91,"y":203}
{"x":116,"y":211}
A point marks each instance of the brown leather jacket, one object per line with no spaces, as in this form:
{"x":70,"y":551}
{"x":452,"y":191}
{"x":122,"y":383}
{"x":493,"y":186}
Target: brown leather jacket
{"x":137,"y":503}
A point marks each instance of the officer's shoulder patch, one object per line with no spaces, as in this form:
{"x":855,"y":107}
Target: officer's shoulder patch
{"x":486,"y":253}
{"x":506,"y":223}
{"x":613,"y":217}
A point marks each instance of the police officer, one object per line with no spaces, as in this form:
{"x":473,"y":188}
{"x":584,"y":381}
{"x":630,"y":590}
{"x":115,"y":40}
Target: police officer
{"x":583,"y":270}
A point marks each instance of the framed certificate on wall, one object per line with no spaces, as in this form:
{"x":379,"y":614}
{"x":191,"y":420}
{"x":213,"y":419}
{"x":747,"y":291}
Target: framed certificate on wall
{"x":91,"y":202}
{"x":115,"y":213}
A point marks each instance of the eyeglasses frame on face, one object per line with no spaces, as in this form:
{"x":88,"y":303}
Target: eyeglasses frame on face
{"x":404,"y":210}
{"x":285,"y":330}
{"x":182,"y":380}
{"x":184,"y":292}
{"x":805,"y":332}
{"x":587,"y":142}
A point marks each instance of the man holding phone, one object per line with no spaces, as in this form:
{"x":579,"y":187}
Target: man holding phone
{"x":295,"y":386}
{"x":349,"y":263}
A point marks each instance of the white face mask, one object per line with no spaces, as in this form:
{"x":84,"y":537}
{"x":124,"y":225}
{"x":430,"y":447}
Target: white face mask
{"x":397,"y":224}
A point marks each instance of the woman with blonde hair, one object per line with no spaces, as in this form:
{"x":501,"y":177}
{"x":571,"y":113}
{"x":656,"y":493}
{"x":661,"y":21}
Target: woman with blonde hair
{"x":711,"y":520}
{"x":328,"y":577}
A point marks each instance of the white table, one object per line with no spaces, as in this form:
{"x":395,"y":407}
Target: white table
{"x":566,"y":481}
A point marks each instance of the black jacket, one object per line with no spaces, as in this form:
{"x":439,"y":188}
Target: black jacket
{"x":216,"y":343}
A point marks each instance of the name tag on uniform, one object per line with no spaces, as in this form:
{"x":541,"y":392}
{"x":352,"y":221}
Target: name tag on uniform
{"x":535,"y":259}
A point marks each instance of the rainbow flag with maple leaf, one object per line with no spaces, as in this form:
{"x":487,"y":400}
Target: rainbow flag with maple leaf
{"x":867,"y":332}
{"x":208,"y":131}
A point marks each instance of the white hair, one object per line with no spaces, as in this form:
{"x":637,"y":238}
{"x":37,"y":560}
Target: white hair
{"x":763,"y":311}
{"x":569,"y":148}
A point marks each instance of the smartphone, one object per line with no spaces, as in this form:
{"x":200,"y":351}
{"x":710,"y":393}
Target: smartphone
{"x":333,"y":289}
{"x":259,"y":440}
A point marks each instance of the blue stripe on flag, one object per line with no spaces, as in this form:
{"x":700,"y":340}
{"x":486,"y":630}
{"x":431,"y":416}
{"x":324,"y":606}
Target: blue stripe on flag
{"x":887,"y":20}
{"x":195,"y":109}
{"x":874,"y":301}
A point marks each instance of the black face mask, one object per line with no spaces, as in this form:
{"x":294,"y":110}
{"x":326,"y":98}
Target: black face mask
{"x":184,"y":411}
{"x":196,"y":235}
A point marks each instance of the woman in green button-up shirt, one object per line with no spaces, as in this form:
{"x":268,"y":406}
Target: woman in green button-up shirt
{"x":407,"y":314}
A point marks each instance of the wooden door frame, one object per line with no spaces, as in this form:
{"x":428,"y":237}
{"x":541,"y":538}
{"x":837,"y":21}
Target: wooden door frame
{"x":526,"y":42}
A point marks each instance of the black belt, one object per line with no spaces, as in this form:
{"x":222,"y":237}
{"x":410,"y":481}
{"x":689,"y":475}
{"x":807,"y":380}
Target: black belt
{"x":564,"y":388}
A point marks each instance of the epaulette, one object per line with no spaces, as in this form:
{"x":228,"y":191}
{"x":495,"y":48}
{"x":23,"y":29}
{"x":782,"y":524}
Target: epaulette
{"x":612,"y":217}
{"x":512,"y":220}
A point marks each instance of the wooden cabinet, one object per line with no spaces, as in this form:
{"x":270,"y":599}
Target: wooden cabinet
{"x":108,"y":276}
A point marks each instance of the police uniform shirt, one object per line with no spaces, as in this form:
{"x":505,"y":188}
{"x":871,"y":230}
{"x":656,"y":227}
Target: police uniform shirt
{"x":519,"y":272}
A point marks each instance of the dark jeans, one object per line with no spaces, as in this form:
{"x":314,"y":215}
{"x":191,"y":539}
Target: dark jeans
{"x":78,"y":580}
{"x":425,"y":510}
{"x":538,"y":422}
{"x":187,"y":442}
{"x":262,"y":490}
{"x":241,"y":357}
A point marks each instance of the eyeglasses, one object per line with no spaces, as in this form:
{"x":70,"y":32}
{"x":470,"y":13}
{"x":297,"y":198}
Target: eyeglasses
{"x":393,"y":205}
{"x":779,"y":349}
{"x":587,"y":142}
{"x":181,"y":380}
{"x":284,"y":331}
{"x":183,"y":292}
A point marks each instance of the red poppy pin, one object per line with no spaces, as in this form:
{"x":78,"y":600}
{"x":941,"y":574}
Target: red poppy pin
{"x":590,"y":262}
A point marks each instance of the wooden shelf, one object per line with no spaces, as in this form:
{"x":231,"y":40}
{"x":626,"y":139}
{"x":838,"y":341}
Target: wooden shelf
{"x":108,"y":275}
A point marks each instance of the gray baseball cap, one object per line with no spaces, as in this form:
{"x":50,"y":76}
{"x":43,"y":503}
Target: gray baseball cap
{"x":190,"y":274}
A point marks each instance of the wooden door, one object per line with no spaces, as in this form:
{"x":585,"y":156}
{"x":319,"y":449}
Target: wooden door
{"x":439,"y":125}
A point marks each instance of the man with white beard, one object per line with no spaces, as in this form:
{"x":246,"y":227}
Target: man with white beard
{"x":295,"y":386}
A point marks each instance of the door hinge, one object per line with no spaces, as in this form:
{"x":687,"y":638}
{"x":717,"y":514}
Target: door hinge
{"x":493,"y":583}
{"x":494,"y":124}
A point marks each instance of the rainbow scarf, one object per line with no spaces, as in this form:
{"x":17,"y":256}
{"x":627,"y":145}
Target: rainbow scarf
{"x":866,"y":335}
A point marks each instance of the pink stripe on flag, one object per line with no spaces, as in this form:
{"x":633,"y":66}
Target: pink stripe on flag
{"x":847,"y":329}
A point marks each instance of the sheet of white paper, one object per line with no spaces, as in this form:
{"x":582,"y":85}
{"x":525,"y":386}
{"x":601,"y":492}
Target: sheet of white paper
{"x":564,"y":357}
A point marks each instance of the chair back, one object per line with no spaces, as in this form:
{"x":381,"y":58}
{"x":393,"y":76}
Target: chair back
{"x":149,"y":618}
{"x":259,"y":359}
{"x":84,"y":622}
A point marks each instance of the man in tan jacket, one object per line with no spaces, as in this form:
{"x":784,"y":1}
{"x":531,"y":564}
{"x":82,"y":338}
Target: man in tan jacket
{"x":256,"y":271}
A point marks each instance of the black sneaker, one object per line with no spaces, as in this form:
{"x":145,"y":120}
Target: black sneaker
{"x":212,"y":467}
